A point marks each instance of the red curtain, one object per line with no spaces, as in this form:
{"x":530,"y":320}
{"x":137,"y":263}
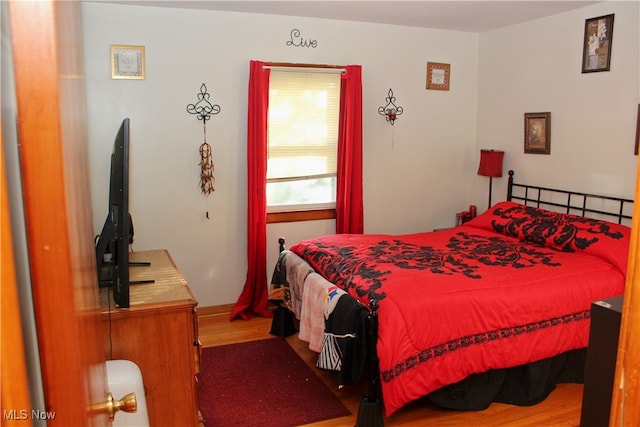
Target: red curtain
{"x":253,"y":300}
{"x":349,"y":210}
{"x":349,"y":203}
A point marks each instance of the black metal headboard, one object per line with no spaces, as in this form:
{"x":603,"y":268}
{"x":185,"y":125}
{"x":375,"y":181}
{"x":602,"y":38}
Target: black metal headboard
{"x":613,"y":209}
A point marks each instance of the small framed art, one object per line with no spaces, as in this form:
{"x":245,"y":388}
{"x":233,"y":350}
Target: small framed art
{"x":537,"y":133}
{"x":127,"y":62}
{"x":596,"y":47}
{"x":438,"y":75}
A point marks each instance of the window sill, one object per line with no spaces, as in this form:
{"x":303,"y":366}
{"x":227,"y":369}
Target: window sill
{"x":297,"y":216}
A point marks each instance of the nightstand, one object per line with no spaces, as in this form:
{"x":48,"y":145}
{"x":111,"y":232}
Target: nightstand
{"x":601,"y":362}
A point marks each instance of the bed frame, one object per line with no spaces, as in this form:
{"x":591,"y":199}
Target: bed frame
{"x":612,"y":209}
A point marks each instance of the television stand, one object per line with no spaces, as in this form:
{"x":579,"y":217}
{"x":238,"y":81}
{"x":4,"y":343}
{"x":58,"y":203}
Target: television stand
{"x":140,"y":264}
{"x":141,"y":282}
{"x":159,"y":333}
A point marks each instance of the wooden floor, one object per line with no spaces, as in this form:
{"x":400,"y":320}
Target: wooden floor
{"x":561,"y":408}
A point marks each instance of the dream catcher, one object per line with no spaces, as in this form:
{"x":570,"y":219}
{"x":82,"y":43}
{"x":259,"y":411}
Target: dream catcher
{"x":203,"y":109}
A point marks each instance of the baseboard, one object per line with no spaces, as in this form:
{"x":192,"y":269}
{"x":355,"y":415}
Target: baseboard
{"x":215,"y":310}
{"x":221,"y":310}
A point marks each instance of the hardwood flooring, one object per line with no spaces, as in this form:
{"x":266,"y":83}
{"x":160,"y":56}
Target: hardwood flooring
{"x":561,"y":408}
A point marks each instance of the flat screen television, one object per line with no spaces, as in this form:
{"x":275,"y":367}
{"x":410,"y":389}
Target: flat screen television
{"x":112,"y":245}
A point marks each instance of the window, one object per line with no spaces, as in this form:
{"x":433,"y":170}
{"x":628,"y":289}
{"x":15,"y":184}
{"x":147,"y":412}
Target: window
{"x":304,"y":107}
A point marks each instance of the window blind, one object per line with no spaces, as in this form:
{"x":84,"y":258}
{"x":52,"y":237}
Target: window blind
{"x":303,"y":124}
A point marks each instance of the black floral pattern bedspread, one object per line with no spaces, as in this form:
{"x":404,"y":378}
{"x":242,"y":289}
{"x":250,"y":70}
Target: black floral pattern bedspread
{"x":364,"y":269}
{"x":512,"y":286}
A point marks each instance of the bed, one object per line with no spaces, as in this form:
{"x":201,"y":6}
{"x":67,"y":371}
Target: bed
{"x":495,"y":309}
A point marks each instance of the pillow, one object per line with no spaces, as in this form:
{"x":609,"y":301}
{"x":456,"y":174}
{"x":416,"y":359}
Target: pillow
{"x":562,"y":232}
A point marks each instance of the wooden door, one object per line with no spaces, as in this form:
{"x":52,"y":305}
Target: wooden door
{"x":625,"y":410}
{"x":46,"y":42}
{"x":14,"y":389}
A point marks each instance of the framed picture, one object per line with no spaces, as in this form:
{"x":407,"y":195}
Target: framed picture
{"x":127,"y":62}
{"x":537,"y":133}
{"x":596,"y":47}
{"x":637,"y":132}
{"x":438,"y":76}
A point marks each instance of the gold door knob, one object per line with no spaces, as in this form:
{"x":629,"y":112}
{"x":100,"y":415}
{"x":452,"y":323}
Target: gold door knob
{"x":127,"y":404}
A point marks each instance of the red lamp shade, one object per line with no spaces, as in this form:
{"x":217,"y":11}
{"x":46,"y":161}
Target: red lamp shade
{"x":491,"y":163}
{"x":491,"y":166}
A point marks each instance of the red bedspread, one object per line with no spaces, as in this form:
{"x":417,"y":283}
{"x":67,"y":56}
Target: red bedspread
{"x":513,"y":286}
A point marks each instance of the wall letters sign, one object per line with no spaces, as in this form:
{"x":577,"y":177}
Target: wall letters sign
{"x":301,"y":42}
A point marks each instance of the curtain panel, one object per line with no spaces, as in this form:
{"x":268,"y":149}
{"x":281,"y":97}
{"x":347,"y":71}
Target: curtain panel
{"x":349,"y":199}
{"x":253,"y":299}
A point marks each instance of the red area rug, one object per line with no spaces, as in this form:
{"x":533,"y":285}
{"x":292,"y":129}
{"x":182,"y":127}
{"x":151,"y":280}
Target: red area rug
{"x":262,"y":384}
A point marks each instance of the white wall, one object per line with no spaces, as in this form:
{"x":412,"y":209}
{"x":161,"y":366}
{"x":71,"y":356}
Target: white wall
{"x":413,"y":171}
{"x":535,"y":67}
{"x":417,"y":173}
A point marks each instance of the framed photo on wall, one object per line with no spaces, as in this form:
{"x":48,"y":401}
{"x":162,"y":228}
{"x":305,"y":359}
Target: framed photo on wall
{"x":438,"y":75}
{"x":537,"y":133}
{"x":596,"y":47}
{"x":127,"y":62}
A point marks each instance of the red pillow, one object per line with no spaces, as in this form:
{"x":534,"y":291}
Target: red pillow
{"x":562,"y":232}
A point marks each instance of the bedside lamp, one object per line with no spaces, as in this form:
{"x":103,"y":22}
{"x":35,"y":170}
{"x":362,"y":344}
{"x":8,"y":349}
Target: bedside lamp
{"x":491,"y":166}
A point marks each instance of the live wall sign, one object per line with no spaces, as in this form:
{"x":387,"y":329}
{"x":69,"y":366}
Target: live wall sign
{"x":296,"y":40}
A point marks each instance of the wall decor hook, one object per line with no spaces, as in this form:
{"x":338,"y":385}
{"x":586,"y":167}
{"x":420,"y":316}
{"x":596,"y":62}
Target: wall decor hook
{"x":203,"y":109}
{"x":391,"y":111}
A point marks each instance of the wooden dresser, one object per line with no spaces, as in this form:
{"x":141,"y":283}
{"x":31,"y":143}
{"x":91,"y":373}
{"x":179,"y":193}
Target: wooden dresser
{"x":159,"y":332}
